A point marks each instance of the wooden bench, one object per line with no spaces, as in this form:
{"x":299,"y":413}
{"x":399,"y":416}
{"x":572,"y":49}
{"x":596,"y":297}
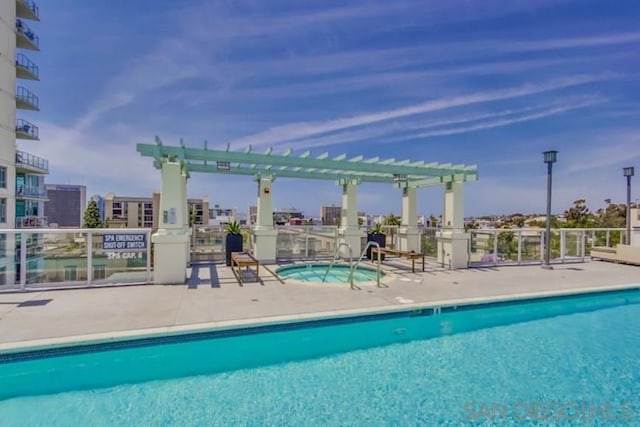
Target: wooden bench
{"x":413,"y":256}
{"x":244,"y":259}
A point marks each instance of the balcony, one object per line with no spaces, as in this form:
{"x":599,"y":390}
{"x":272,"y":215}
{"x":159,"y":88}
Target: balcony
{"x":30,"y":192}
{"x":27,"y":9}
{"x":26,"y":100}
{"x":31,"y":222}
{"x":26,"y":130}
{"x":25,"y":38}
{"x":26,"y":69}
{"x":26,"y":162}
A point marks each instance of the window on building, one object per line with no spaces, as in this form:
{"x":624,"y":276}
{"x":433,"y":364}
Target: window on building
{"x":3,"y":177}
{"x":3,"y":245}
{"x":99,"y":271}
{"x":70,"y":273}
{"x":3,"y":276}
{"x":3,"y":210}
{"x":117,"y":210}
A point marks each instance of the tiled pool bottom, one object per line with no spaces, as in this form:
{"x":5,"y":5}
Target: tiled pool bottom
{"x":582,"y":368}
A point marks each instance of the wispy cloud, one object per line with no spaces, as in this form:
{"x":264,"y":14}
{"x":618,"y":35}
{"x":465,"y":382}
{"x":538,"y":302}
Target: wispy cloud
{"x":506,"y":122}
{"x":399,"y":131}
{"x":293,"y":131}
{"x":607,"y":149}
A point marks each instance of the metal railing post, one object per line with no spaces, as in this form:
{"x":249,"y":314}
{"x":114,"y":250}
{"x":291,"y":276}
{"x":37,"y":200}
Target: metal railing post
{"x":519,"y":246}
{"x":495,"y":247}
{"x":563,"y":244}
{"x":148,"y":256}
{"x":23,"y":261}
{"x":89,"y":257}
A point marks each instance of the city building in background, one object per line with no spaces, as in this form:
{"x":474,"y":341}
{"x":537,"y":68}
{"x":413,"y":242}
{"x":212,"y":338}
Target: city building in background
{"x":221,"y":216}
{"x":65,"y":205}
{"x":144,"y":212}
{"x":330,"y":215}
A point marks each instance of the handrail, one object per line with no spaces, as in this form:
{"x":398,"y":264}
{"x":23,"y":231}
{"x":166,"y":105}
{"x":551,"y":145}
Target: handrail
{"x":364,"y":252}
{"x":333,"y":261}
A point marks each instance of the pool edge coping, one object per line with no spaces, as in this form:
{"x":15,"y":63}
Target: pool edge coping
{"x":134,"y":334}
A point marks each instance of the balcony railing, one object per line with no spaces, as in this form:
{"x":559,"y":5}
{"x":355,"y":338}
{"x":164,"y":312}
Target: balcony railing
{"x":27,"y":9}
{"x":26,"y":130}
{"x":26,"y":100}
{"x":26,"y":69}
{"x":25,"y":38}
{"x":26,"y":159}
{"x":31,"y":222}
{"x":31,"y":191}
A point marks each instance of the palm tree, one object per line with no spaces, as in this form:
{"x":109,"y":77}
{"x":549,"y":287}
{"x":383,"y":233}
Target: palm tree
{"x":392,"y":221}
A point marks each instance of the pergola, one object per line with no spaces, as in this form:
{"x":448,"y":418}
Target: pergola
{"x":178,"y":162}
{"x":306,"y":166}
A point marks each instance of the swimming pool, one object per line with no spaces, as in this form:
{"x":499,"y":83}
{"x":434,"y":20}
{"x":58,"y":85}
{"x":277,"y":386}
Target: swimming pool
{"x":552,"y":360}
{"x":339,"y":273}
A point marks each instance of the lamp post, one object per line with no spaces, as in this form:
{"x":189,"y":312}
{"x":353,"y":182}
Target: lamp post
{"x":549,"y":159}
{"x":628,"y":172}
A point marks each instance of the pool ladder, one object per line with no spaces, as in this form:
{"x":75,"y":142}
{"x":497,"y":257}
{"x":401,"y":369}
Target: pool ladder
{"x":364,"y":253}
{"x":352,"y":266}
{"x":335,"y":257}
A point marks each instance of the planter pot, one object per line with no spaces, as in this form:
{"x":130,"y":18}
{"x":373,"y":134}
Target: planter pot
{"x":233,"y":244}
{"x":379,"y":239}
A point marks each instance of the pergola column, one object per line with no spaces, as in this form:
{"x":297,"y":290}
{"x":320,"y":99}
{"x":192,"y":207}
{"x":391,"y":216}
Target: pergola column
{"x":453,"y":241}
{"x":171,"y":240}
{"x":349,"y":231}
{"x":265,"y":234}
{"x":409,"y":233}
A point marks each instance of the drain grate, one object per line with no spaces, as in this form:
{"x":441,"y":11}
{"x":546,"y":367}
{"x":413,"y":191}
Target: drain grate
{"x":35,"y":303}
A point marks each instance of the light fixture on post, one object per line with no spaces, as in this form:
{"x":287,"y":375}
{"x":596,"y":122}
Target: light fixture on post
{"x":400,"y":180}
{"x":628,"y":172}
{"x":550,"y":158}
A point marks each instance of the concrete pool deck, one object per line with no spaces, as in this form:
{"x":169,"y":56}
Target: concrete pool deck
{"x":42,"y":318}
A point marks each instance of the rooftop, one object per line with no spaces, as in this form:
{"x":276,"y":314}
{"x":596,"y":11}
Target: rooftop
{"x":58,"y":316}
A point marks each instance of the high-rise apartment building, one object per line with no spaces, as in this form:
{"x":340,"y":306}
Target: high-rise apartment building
{"x":65,"y":205}
{"x":22,"y":192}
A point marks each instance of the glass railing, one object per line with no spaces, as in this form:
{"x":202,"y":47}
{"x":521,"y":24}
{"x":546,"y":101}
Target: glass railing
{"x":30,"y":191}
{"x":22,"y":94}
{"x":27,"y":159}
{"x":306,"y":241}
{"x":526,"y":246}
{"x":32,"y":6}
{"x":22,"y":28}
{"x":75,"y":257}
{"x":25,"y":127}
{"x":25,"y":63}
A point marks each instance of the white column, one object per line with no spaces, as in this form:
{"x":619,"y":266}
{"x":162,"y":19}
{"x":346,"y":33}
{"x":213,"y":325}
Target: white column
{"x":409,"y":233}
{"x":187,"y":214}
{"x":265,"y":234}
{"x":349,"y":231}
{"x":453,"y":242}
{"x":171,"y":241}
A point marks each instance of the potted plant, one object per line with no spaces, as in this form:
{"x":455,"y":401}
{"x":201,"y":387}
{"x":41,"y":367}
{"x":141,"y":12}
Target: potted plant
{"x":376,"y":234}
{"x":233,"y":239}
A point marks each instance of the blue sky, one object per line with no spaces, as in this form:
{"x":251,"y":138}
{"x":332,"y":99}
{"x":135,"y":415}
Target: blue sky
{"x":492,"y":83}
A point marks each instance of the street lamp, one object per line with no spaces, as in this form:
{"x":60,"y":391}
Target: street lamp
{"x":628,"y":172}
{"x":549,"y":159}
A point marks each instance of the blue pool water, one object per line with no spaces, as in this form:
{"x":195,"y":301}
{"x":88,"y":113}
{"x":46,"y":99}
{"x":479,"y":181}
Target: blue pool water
{"x":558,"y":361}
{"x":316,"y":272}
